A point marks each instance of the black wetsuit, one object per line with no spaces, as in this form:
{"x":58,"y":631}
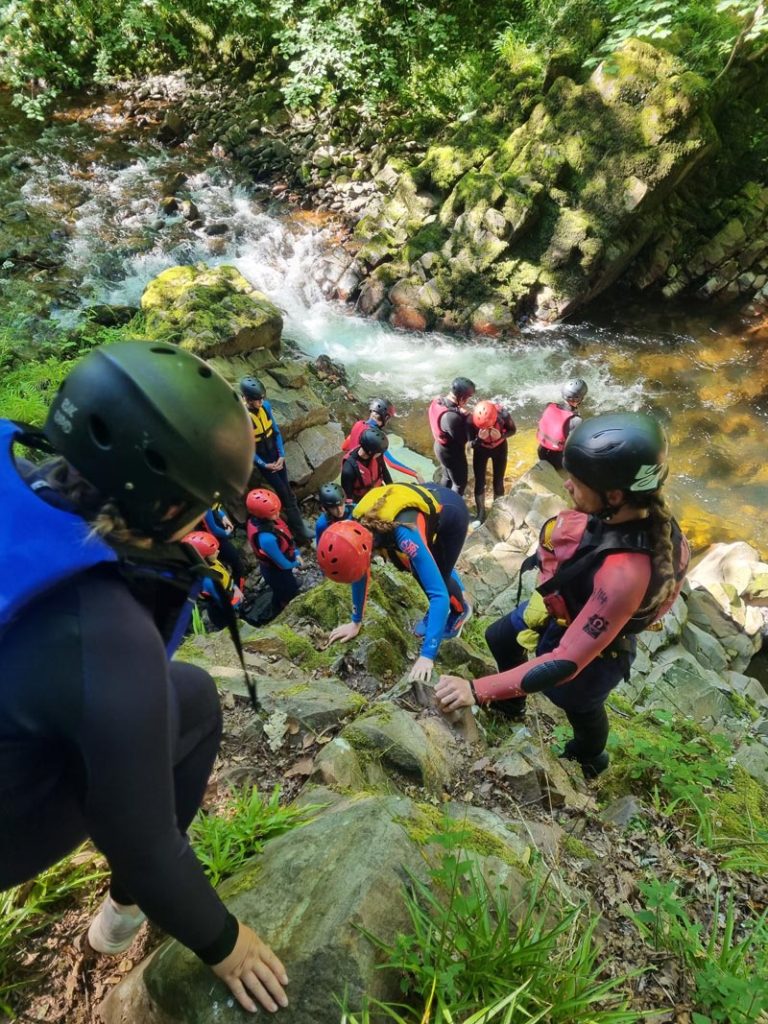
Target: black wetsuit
{"x":452,"y":455}
{"x":102,"y":738}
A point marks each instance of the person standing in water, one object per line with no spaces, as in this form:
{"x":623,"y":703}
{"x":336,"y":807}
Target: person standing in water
{"x":448,"y":421}
{"x":558,"y":420}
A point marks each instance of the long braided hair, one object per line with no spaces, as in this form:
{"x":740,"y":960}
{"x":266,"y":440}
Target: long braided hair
{"x":662,"y":550}
{"x":372,"y":518}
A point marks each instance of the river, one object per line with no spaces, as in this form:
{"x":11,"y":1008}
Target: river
{"x":81,"y":225}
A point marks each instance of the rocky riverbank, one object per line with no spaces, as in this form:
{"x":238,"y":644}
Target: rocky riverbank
{"x":392,"y":774}
{"x":582,"y":186}
{"x":393,"y":777}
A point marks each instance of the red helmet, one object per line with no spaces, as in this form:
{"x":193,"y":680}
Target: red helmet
{"x":345,"y":550}
{"x":263,"y":503}
{"x":204,"y":543}
{"x":484,"y":415}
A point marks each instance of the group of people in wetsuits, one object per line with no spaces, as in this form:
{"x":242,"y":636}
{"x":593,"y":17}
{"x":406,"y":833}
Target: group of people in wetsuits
{"x":103,"y":736}
{"x":486,"y":428}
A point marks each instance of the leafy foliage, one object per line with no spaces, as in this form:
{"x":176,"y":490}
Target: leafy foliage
{"x":472,"y":943}
{"x":223,"y":842}
{"x":679,"y":767}
{"x":729,"y":965}
{"x":26,"y":909}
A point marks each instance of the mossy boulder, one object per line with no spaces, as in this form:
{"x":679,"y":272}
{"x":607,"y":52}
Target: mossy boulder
{"x":210,"y":311}
{"x":388,"y":734}
{"x":546,"y":216}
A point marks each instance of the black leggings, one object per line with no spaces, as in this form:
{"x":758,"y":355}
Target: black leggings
{"x":552,"y":457}
{"x":498,"y":458}
{"x":453,"y":460}
{"x":454,"y":523}
{"x":582,"y":698}
{"x":57,"y":826}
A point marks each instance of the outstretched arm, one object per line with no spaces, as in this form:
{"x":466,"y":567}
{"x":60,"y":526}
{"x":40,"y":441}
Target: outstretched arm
{"x":619,"y":587}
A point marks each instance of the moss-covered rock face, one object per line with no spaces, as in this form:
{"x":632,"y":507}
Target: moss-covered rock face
{"x":545,"y":217}
{"x":210,"y":311}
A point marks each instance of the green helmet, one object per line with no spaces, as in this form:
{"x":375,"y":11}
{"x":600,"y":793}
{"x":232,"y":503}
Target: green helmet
{"x":624,"y":451}
{"x":151,"y":426}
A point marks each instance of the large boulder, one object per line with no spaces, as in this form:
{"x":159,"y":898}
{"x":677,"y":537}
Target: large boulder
{"x":313,"y":894}
{"x":210,"y":311}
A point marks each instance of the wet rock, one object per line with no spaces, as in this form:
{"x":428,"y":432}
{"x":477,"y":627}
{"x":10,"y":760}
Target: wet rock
{"x":111,"y":316}
{"x":169,"y":205}
{"x":189,"y":211}
{"x":218,"y":228}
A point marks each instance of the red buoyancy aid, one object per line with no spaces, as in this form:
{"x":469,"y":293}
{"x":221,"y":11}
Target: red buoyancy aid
{"x":280,"y":529}
{"x":368,"y":475}
{"x":492,"y":437}
{"x":437,"y":408}
{"x":551,"y":432}
{"x":352,"y":441}
{"x":572,"y":547}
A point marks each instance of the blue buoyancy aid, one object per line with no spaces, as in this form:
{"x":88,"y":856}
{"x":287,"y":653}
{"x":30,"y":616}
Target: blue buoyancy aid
{"x":57,"y":545}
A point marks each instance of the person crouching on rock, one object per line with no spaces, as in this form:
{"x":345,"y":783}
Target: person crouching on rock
{"x":608,"y":569}
{"x":420,"y":528}
{"x":219,"y":589}
{"x":102,"y":736}
{"x":274,"y":547}
{"x":335,"y":508}
{"x":490,"y":426}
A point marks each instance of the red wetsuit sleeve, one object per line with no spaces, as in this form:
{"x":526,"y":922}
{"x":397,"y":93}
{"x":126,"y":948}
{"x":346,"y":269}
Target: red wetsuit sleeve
{"x":618,"y":590}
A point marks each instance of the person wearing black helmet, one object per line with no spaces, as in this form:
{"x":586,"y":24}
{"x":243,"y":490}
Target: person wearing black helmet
{"x":381,"y":411}
{"x":335,"y":508}
{"x":608,"y":568}
{"x":101,"y":735}
{"x":558,"y":420}
{"x":269,"y":456}
{"x":449,"y":423}
{"x":365,"y":468}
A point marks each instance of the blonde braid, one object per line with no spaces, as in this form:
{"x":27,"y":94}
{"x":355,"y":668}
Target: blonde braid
{"x":372,"y":518}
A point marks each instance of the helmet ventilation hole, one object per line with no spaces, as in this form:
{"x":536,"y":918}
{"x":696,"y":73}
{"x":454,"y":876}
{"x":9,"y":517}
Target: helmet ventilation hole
{"x":155,"y":461}
{"x":99,"y":432}
{"x":163,"y":350}
{"x":205,"y":371}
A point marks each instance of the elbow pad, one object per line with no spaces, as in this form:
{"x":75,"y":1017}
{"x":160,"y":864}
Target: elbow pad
{"x":550,"y":673}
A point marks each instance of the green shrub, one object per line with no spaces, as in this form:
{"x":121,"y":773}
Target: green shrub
{"x":471,"y":945}
{"x":729,"y":965}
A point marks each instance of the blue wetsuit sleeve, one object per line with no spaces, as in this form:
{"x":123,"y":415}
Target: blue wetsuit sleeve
{"x":394,"y":463}
{"x":359,"y":597}
{"x":425,"y":569}
{"x":270,"y":547}
{"x":320,"y":526}
{"x":214,"y":526}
